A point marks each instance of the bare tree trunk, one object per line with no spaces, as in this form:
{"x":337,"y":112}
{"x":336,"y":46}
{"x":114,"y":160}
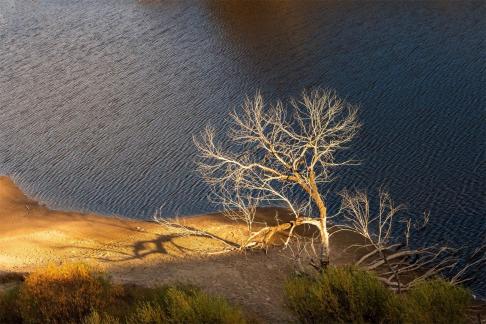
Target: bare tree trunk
{"x":324,"y":262}
{"x":321,"y":205}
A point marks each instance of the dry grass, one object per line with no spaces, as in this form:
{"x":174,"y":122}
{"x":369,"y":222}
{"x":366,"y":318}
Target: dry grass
{"x":65,"y":294}
{"x":77,"y":293}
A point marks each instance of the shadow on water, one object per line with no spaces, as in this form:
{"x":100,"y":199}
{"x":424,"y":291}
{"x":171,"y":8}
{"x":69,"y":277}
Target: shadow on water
{"x":272,"y":40}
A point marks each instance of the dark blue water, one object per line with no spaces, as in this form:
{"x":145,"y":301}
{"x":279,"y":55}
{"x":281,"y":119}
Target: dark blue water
{"x":99,"y":99}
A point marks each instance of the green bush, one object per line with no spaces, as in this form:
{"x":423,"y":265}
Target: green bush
{"x":348,"y":295}
{"x":437,"y":301}
{"x":147,"y":312}
{"x":342,"y":295}
{"x":96,"y":318}
{"x":64,"y":294}
{"x":184,"y":304}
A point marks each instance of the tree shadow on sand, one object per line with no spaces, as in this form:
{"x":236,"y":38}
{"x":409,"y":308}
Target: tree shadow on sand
{"x":140,"y":249}
{"x":164,"y":244}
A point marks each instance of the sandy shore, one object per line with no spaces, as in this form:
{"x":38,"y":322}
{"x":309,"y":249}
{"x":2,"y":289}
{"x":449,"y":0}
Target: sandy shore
{"x":146,"y":253}
{"x":32,"y":235}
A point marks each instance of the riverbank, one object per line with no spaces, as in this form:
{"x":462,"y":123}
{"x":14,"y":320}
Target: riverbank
{"x":145,"y":253}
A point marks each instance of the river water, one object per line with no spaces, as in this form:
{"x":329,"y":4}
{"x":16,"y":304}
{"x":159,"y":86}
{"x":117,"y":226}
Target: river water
{"x":99,"y":99}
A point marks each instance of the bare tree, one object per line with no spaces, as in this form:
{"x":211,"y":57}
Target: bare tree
{"x":389,"y":252}
{"x":280,"y":155}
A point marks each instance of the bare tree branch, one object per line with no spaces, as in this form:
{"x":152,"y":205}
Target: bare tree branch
{"x":398,"y":264}
{"x":279,"y":155}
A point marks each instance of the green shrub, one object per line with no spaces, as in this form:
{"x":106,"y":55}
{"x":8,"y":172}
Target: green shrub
{"x":342,"y":295}
{"x":437,"y":301}
{"x":64,"y":294}
{"x":348,"y":295}
{"x":9,"y":310}
{"x":184,"y":304}
{"x":148,"y":312}
{"x":96,"y":318}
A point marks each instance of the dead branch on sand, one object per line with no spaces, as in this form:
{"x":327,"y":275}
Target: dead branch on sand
{"x":390,"y":254}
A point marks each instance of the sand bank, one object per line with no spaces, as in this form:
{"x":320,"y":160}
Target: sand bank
{"x":146,"y":253}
